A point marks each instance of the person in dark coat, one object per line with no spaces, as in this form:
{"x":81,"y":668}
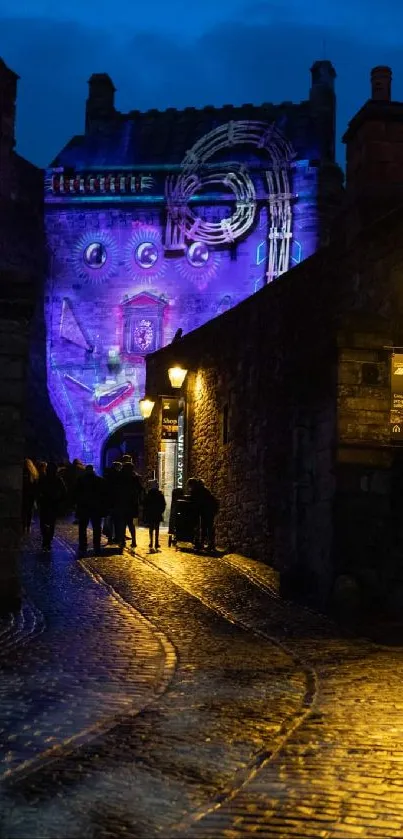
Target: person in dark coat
{"x":111,"y":525}
{"x":73,"y":472}
{"x":154,"y":506}
{"x":51,"y":497}
{"x":207,"y":507}
{"x":90,"y":498}
{"x":30,"y":477}
{"x":129,"y":491}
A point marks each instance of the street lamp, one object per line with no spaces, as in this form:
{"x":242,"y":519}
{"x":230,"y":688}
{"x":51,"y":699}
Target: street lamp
{"x":146,"y":407}
{"x":177,"y":376}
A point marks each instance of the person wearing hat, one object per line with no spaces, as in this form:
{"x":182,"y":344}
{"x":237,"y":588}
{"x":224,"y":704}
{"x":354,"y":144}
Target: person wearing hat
{"x":154,"y":506}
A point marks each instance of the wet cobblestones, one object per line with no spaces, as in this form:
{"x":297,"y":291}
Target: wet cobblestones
{"x":78,"y":672}
{"x":260,"y":719}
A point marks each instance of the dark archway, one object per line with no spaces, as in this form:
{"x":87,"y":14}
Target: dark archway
{"x":128,"y":439}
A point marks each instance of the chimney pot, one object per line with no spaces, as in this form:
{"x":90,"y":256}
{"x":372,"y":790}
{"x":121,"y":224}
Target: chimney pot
{"x":381,"y":84}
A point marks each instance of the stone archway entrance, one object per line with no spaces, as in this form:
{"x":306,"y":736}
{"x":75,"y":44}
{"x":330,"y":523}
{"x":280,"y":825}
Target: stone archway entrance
{"x":127,"y":439}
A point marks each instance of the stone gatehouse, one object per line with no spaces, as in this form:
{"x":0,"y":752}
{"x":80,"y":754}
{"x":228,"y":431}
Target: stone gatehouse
{"x":160,"y":221}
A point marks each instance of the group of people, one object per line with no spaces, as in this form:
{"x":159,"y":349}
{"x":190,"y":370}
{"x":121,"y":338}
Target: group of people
{"x":206,"y":506}
{"x":111,"y":504}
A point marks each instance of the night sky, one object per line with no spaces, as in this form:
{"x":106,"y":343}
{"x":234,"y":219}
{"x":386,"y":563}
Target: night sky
{"x":163,"y":53}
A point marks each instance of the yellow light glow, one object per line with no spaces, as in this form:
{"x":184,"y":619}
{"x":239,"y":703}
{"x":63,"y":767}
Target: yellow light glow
{"x":146,"y":407}
{"x":177,"y":376}
{"x":199,"y":385}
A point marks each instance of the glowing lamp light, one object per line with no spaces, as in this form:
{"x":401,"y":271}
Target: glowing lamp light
{"x":146,"y":407}
{"x":177,"y":376}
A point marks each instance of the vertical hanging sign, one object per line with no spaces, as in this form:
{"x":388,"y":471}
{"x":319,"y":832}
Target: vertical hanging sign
{"x":170,"y":408}
{"x":180,"y":454}
{"x":396,"y":412}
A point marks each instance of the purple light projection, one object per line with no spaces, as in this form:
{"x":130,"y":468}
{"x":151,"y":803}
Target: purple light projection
{"x":126,"y":275}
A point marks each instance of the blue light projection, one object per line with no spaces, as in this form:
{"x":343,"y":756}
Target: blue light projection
{"x":201,"y":237}
{"x":95,"y":256}
{"x":144,"y":254}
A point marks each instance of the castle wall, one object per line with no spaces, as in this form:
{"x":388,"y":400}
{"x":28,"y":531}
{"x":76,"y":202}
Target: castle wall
{"x":292,"y":426}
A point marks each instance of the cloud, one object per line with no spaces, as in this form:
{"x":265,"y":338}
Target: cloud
{"x":359,"y":18}
{"x":237,"y":61}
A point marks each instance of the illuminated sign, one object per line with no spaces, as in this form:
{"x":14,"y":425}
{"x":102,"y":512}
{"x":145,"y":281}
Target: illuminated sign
{"x":169,"y":430}
{"x":396,"y":412}
{"x":180,"y":455}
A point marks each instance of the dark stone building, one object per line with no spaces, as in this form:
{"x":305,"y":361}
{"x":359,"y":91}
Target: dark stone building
{"x":22,"y":255}
{"x":21,"y":262}
{"x":286,"y":410}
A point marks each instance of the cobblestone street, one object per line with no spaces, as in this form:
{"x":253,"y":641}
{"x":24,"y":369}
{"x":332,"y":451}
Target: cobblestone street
{"x":173,"y":694}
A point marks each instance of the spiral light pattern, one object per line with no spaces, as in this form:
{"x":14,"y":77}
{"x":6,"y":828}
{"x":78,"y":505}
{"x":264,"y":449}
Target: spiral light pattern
{"x":179,"y":190}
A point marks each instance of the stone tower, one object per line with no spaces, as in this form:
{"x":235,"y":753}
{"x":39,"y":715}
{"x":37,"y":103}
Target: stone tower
{"x":374,"y":154}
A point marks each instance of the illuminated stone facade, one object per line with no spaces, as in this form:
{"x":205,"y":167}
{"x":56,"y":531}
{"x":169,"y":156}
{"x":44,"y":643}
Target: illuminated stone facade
{"x":161,"y":221}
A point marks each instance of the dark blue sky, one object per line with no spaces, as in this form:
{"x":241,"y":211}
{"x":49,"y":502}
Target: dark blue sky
{"x":163,"y":53}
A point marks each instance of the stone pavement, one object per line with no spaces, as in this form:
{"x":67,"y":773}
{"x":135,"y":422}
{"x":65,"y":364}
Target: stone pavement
{"x":185,"y":698}
{"x":79,"y":671}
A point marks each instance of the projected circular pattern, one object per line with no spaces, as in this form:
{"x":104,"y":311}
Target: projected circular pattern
{"x":236,"y":179}
{"x":144,"y":254}
{"x":197,"y":254}
{"x":198,"y":265}
{"x":95,"y":256}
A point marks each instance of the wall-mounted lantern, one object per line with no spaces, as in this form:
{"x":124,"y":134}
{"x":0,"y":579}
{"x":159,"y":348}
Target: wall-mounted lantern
{"x":146,"y":407}
{"x":177,"y":376}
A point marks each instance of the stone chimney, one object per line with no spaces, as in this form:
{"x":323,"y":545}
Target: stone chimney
{"x":381,"y":84}
{"x":374,"y":152}
{"x":8,"y":95}
{"x":100,"y":108}
{"x":322,"y":100}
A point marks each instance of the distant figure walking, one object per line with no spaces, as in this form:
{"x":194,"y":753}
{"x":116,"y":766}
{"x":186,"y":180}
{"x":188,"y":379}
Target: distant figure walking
{"x":154,"y":506}
{"x":72,"y":472}
{"x":51,"y":496}
{"x":111,"y":525}
{"x":129,"y":491}
{"x":30,"y":477}
{"x":90,"y":507}
{"x":207,"y":506}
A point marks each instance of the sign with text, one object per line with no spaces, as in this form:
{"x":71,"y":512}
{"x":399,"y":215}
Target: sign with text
{"x":396,"y":412}
{"x":180,"y":454}
{"x":170,"y":411}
